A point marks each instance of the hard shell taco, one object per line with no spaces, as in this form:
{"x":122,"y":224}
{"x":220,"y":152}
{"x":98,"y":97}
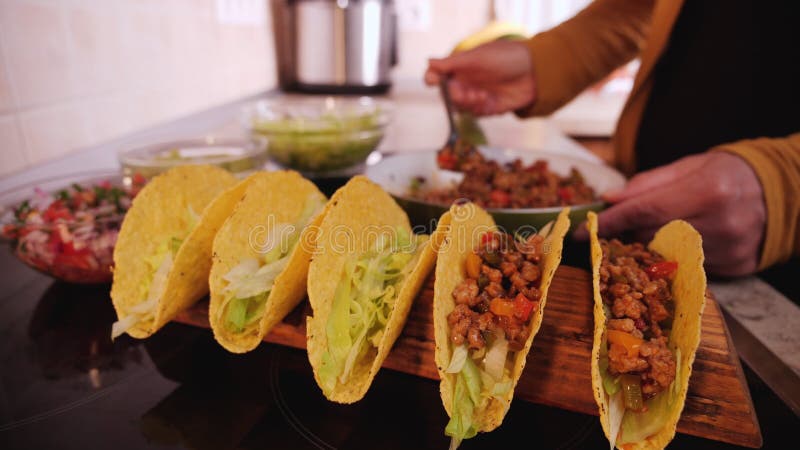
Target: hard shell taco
{"x":489,"y":299}
{"x":367,"y":268}
{"x":260,"y":257}
{"x":648,"y":303}
{"x":163,"y":253}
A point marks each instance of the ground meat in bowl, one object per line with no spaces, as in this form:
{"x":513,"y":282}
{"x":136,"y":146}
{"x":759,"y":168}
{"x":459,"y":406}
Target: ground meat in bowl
{"x":513,"y":185}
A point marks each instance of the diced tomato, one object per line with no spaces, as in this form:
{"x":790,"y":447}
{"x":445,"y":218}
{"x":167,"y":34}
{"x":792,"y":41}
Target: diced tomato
{"x":446,"y":160}
{"x":565,"y":194}
{"x":501,"y":307}
{"x":539,"y":166}
{"x":523,"y":307}
{"x":663,"y":269}
{"x":80,"y":261}
{"x":627,"y":340}
{"x":10,"y":231}
{"x":473,"y":265}
{"x":138,"y":179}
{"x":68,"y":248}
{"x":486,"y":237}
{"x":56,"y":211}
{"x":500,"y":197}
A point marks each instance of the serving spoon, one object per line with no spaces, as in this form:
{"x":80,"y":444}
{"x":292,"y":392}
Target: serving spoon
{"x":452,"y":138}
{"x":456,"y":150}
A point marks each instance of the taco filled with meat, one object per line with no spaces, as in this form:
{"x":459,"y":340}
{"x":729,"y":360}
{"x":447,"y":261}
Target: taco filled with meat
{"x":489,"y":299}
{"x":367,"y":269}
{"x":648,"y":303}
{"x":163,"y":254}
{"x":260,"y":257}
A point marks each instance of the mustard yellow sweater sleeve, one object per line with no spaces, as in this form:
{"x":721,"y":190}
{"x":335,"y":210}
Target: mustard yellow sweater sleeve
{"x":581,"y":51}
{"x":776,"y":161}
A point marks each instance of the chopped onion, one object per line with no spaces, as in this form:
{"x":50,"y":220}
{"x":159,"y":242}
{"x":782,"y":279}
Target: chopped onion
{"x":143,"y":307}
{"x":245,"y":267}
{"x":146,"y":308}
{"x":495,"y":360}
{"x":123,"y":325}
{"x":616,"y":411}
{"x":458,"y":359}
{"x":259,"y":282}
{"x":479,"y":354}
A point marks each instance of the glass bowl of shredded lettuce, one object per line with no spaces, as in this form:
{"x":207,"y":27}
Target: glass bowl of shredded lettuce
{"x":318,"y":135}
{"x":240,"y":156}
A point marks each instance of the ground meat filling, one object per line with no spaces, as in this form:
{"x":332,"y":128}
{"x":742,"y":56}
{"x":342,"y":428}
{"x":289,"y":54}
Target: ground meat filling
{"x":635,"y":284}
{"x":499,"y":294}
{"x":513,"y":185}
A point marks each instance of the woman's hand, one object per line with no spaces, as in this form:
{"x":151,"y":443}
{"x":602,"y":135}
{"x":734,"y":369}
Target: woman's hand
{"x":493,"y":78}
{"x":717,"y":192}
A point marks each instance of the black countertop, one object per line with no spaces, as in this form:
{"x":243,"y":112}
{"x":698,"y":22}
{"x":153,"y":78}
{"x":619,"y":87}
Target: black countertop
{"x":64,"y":384}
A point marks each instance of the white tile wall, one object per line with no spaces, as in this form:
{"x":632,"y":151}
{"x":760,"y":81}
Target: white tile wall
{"x":12,"y":156}
{"x":79,"y":72}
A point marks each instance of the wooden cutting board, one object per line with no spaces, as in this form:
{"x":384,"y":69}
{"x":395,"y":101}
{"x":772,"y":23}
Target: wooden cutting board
{"x":718,"y":405}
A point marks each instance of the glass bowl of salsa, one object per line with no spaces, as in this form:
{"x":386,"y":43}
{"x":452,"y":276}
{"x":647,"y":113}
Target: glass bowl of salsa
{"x":66,"y":227}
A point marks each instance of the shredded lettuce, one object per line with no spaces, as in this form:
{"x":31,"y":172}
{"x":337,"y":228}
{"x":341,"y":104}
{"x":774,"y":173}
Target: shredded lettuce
{"x":476,"y":385}
{"x":154,"y":288}
{"x":243,"y":312}
{"x":472,"y":378}
{"x":363,"y":302}
{"x":611,"y":384}
{"x":460,"y":426}
{"x":251,"y":281}
{"x":458,"y":359}
{"x":175,"y":244}
{"x":639,"y":426}
{"x":501,"y":388}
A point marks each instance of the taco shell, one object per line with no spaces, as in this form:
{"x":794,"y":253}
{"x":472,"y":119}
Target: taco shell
{"x":460,"y":230}
{"x":360,"y":209}
{"x":282,"y":196}
{"x":162,"y":211}
{"x":675,"y":241}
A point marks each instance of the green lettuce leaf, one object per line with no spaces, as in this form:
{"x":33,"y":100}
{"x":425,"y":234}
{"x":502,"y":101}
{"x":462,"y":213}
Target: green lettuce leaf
{"x":639,"y":426}
{"x":363,"y":302}
{"x":460,"y":426}
{"x":250,"y":282}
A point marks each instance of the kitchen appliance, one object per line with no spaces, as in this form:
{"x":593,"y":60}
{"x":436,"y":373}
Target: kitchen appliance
{"x":335,"y":46}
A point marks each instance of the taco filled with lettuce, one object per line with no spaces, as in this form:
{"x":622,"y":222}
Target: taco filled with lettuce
{"x":489,"y":298}
{"x":648,"y":303}
{"x":367,"y":268}
{"x":163,"y":253}
{"x":260,"y":257}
